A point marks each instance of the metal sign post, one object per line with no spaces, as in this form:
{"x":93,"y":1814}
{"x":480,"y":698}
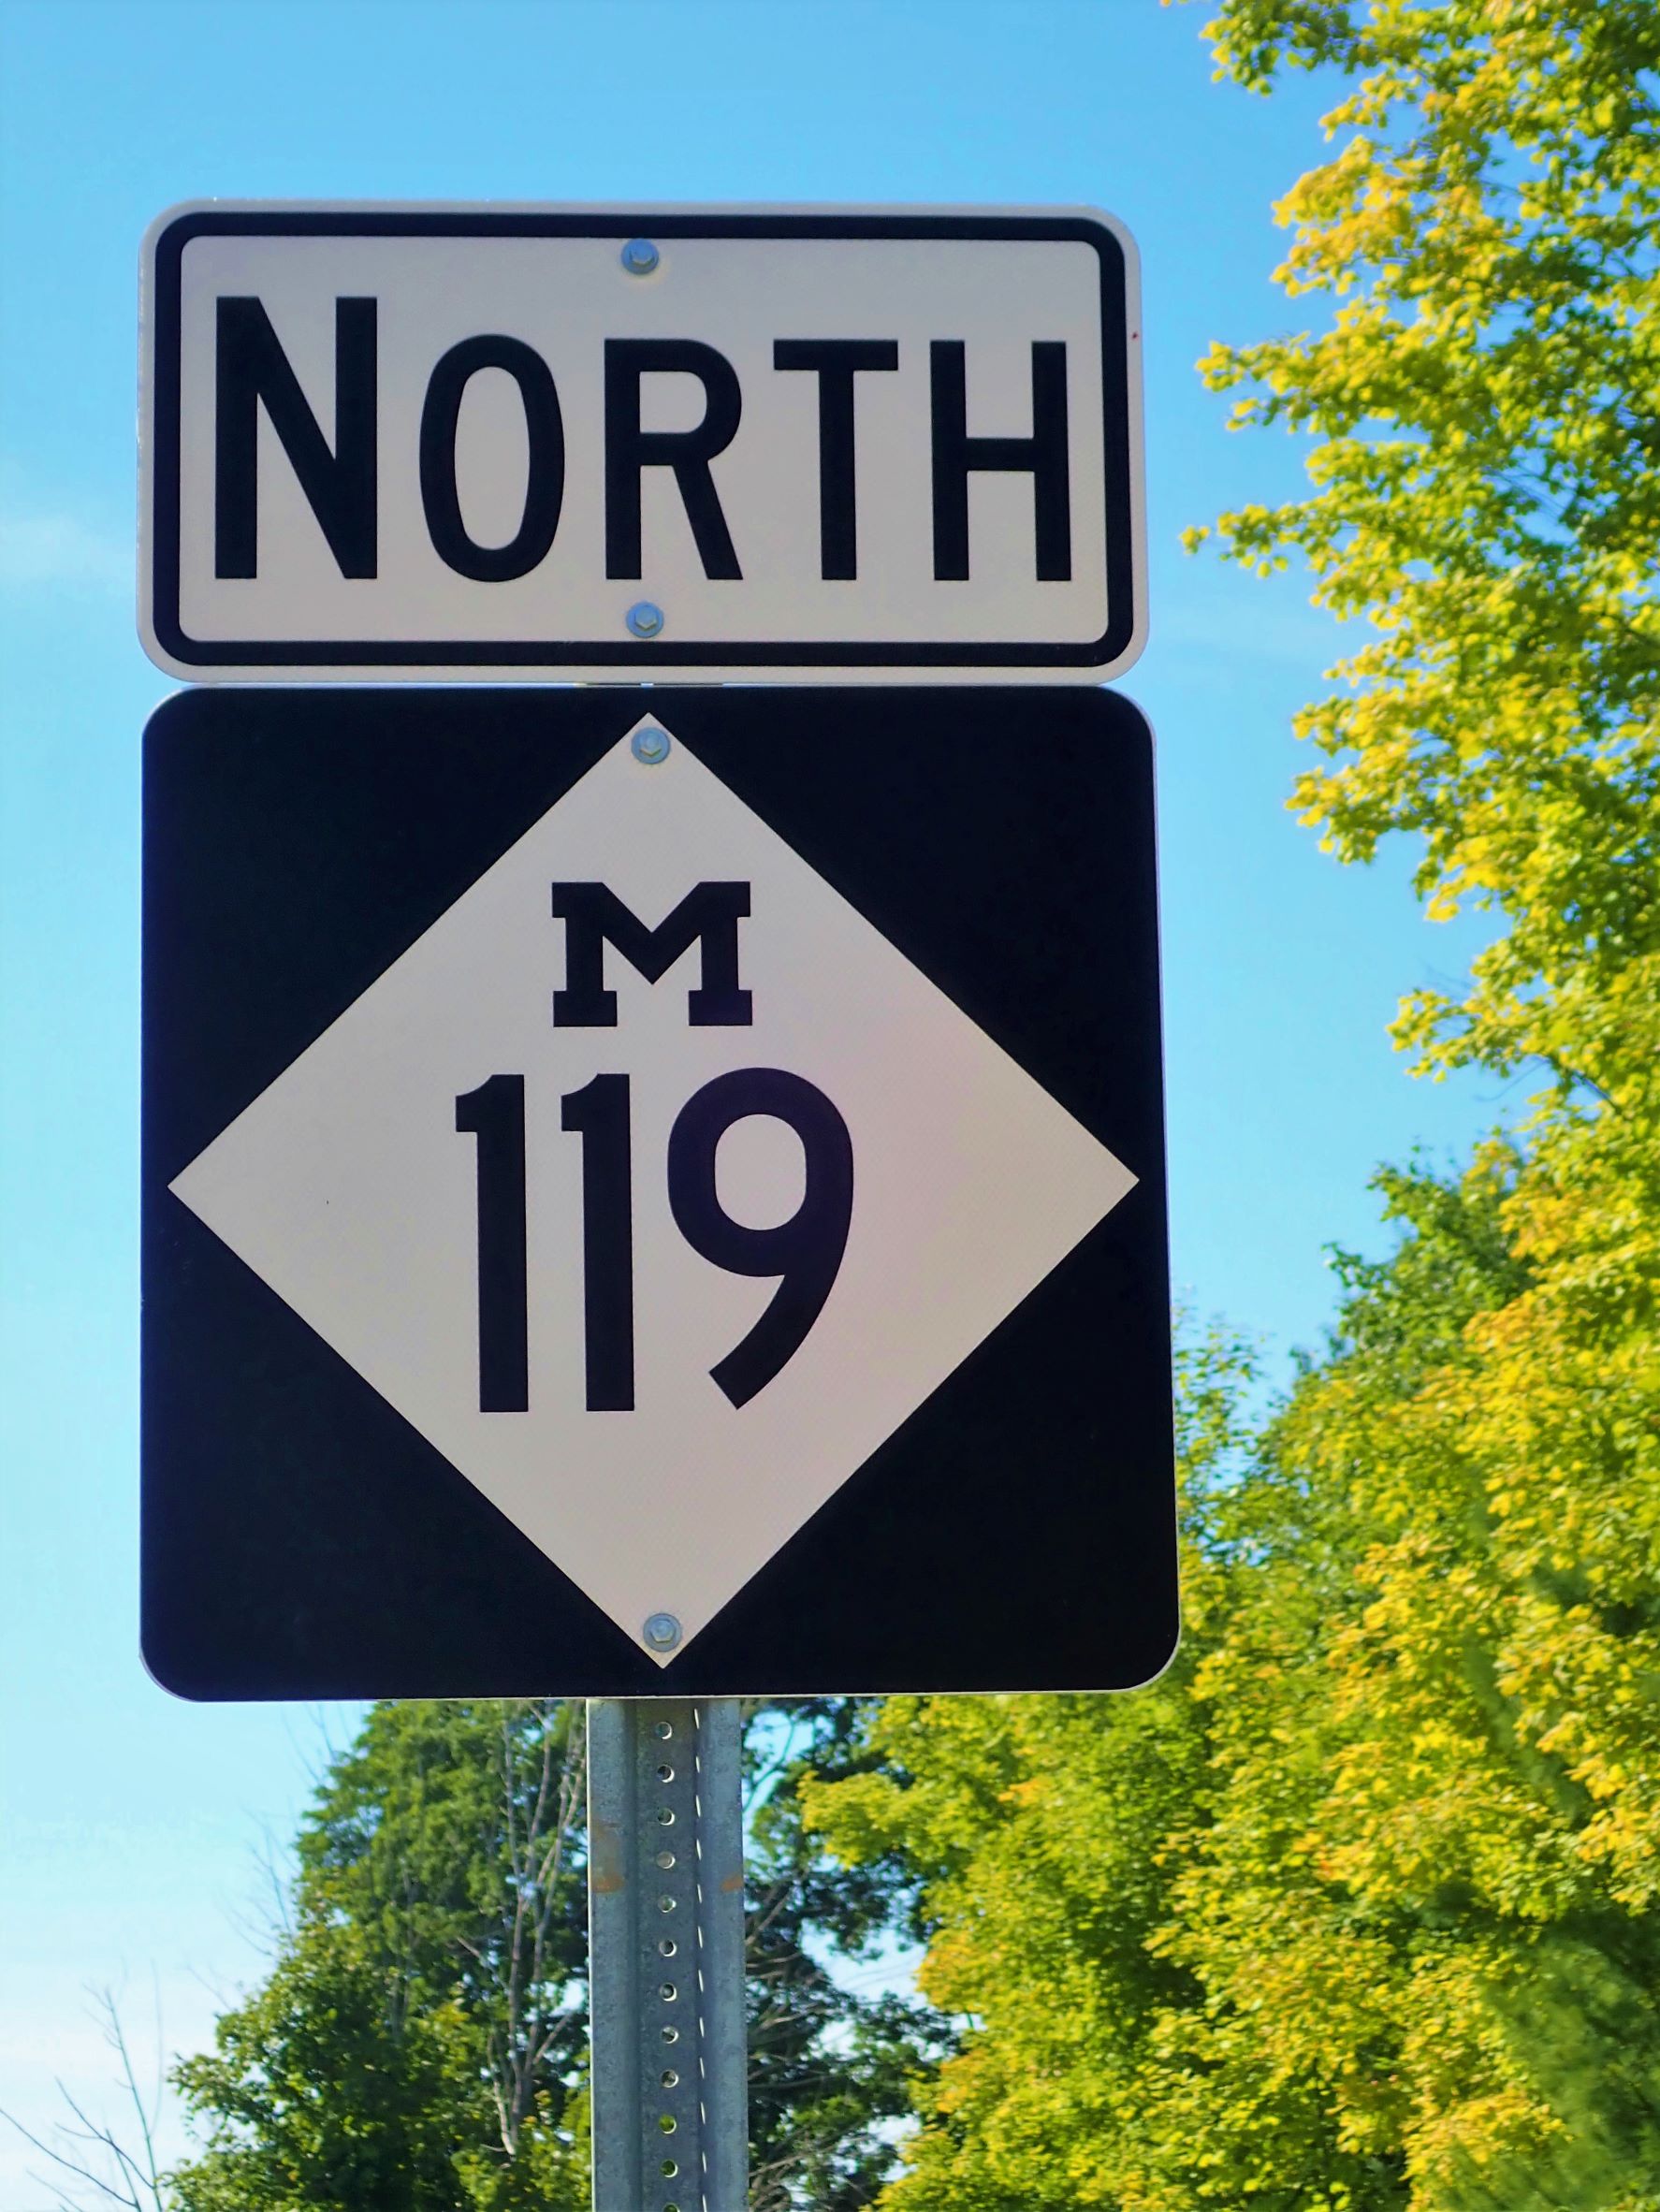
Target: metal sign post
{"x":665,"y":1903}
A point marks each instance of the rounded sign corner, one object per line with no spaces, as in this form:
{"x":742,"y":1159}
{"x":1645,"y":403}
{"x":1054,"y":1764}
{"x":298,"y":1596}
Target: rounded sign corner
{"x":1112,"y":233}
{"x":184,"y":216}
{"x":176,"y":1681}
{"x":171,"y":652}
{"x":1121,"y":661}
{"x":1157,"y":1673}
{"x":1144,"y":721}
{"x":173,"y":707}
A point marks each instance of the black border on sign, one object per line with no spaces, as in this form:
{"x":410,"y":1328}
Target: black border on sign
{"x":635,"y":654}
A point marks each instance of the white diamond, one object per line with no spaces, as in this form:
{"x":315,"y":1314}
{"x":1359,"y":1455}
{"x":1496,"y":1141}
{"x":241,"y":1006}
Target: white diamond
{"x":345,"y":1186}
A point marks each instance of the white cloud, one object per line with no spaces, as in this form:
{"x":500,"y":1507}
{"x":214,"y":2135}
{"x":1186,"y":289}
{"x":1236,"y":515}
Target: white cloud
{"x":62,"y":551}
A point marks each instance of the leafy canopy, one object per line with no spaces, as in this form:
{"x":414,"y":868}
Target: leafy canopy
{"x":1485,"y":486}
{"x":1357,"y":1910}
{"x":421,"y":2041}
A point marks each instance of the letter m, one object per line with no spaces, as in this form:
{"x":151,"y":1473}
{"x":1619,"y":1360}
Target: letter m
{"x":595,"y":917}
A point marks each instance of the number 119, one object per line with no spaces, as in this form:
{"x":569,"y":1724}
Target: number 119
{"x":805,"y":1252}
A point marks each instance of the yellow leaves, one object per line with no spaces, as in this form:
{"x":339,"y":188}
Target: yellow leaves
{"x":1316,"y":1906}
{"x":1508,"y":558}
{"x":1219,"y":368}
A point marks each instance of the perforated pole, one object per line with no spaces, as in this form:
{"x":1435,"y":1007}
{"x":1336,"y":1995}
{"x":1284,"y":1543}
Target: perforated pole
{"x":665,"y":1919}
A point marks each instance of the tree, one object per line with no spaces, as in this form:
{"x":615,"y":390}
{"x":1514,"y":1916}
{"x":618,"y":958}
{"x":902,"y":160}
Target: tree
{"x":829,"y":2071}
{"x":1485,"y":402}
{"x":1315,"y":1922}
{"x":1401,"y":1794}
{"x":420,"y":2043}
{"x":90,"y":2161}
{"x":1486,"y":488}
{"x":417,"y":2047}
{"x":1046,"y":1831}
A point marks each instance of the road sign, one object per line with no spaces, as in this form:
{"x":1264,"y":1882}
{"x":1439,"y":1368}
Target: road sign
{"x":663,"y":1203}
{"x":850,"y":445}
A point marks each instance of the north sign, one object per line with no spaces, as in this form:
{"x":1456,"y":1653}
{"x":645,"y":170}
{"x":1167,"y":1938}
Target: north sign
{"x":397,"y":443}
{"x":664,"y":1202}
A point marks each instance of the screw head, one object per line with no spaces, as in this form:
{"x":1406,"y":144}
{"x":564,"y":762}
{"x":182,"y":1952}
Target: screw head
{"x":643,"y":619}
{"x":640,"y":257}
{"x":663,"y":1631}
{"x":652,"y":746}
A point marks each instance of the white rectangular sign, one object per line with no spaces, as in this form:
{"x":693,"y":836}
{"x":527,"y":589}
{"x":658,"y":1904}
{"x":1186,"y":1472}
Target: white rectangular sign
{"x":513,"y":444}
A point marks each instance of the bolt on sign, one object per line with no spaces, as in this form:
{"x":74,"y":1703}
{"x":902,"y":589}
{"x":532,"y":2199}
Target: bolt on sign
{"x":653,"y":1193}
{"x":511,"y":444}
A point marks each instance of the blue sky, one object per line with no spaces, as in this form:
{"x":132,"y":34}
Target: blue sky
{"x":130,"y":1826}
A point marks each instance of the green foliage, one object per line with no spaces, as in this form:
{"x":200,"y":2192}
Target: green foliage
{"x":1321,"y":1922}
{"x":1357,"y":1910}
{"x":322,"y":2099}
{"x":420,"y":2044}
{"x":417,"y":2045}
{"x":1486,"y":488}
{"x":828,"y":2069}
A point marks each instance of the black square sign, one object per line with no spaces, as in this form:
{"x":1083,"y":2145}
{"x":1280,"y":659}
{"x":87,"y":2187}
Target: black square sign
{"x":653,"y":1192}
